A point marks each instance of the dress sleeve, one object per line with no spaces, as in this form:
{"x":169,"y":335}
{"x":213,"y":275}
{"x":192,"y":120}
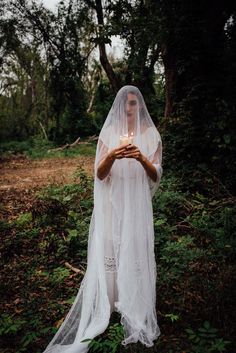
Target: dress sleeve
{"x":102,"y":152}
{"x":102,"y":146}
{"x":156,"y":160}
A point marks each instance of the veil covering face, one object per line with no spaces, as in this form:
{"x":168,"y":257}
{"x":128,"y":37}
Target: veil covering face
{"x":121,"y":268}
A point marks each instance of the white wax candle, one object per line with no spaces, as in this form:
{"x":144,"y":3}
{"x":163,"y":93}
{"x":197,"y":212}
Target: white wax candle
{"x":124,"y":140}
{"x":127,"y":139}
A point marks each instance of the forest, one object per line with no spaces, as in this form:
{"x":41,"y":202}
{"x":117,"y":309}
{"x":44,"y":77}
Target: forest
{"x":58,"y":79}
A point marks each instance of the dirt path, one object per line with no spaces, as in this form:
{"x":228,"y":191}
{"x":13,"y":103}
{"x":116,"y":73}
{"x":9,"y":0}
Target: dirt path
{"x":21,"y":178}
{"x":22,"y":173}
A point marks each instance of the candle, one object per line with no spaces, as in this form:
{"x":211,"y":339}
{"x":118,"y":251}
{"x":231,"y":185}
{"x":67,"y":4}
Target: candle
{"x":126,"y":139}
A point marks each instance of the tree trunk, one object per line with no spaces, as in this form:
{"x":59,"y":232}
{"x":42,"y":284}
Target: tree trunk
{"x":170,"y":77}
{"x":102,"y":51}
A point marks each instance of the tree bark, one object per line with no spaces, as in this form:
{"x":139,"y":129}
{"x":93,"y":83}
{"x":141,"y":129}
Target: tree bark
{"x":170,"y":77}
{"x":102,"y":51}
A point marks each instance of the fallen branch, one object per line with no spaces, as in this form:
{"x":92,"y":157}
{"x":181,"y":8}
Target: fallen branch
{"x":93,"y":138}
{"x":76,"y":270}
{"x":68,"y":145}
{"x":75,"y":143}
{"x":89,"y":140}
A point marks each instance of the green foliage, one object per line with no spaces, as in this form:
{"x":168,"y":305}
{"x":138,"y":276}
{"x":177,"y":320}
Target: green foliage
{"x":77,"y":197}
{"x":37,"y":148}
{"x":43,"y":91}
{"x":59,"y":274}
{"x":24,"y":219}
{"x":195,"y":153}
{"x":53,"y":232}
{"x":14,"y":147}
{"x":10,"y":325}
{"x":4,"y":225}
{"x":205,"y":340}
{"x":168,"y":198}
{"x":102,"y":103}
{"x":177,"y":257}
{"x":196,"y":215}
{"x":110,"y":342}
{"x":173,"y":317}
{"x":194,"y":246}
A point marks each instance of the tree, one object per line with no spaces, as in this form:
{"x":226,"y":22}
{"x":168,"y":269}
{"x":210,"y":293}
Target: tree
{"x":198,"y":67}
{"x":59,"y":39}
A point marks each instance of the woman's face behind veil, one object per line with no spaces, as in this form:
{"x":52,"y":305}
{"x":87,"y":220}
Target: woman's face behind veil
{"x":128,"y":115}
{"x":131,"y":108}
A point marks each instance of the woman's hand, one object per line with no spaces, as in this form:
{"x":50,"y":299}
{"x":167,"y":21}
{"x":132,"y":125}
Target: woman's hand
{"x":106,"y":164}
{"x":133,"y":151}
{"x":119,"y":152}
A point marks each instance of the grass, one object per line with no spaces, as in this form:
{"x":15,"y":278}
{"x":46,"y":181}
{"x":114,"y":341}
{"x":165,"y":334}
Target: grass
{"x":38,"y":149}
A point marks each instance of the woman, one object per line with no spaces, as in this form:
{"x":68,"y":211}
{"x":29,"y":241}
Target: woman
{"x":121,"y":270}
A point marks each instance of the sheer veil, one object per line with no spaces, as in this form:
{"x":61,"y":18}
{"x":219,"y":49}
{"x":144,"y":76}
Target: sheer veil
{"x":121,"y":268}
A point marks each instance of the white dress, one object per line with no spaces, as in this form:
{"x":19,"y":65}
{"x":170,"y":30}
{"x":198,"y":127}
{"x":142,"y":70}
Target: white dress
{"x":109,"y":257}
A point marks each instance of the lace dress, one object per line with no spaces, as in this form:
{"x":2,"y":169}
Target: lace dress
{"x":109,"y":257}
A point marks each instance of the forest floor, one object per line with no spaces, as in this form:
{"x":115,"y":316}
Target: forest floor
{"x":194,"y":232}
{"x":21,"y":178}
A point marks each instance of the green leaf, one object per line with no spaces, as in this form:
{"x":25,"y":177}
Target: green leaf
{"x":206,"y":324}
{"x":227,"y":139}
{"x":159,"y":222}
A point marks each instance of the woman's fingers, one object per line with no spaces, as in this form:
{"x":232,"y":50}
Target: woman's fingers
{"x":126,"y":151}
{"x":135,"y":155}
{"x":131,"y":147}
{"x":123,"y":147}
{"x":131,"y":151}
{"x":119,"y":154}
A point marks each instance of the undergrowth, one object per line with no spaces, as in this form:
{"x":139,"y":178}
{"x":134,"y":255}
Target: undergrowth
{"x":37,"y":149}
{"x":195,"y":251}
